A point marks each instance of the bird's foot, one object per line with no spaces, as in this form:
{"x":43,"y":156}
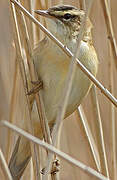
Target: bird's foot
{"x":38,"y":85}
{"x":55,"y":168}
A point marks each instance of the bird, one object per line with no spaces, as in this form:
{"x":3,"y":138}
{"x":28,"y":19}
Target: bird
{"x":52,"y":65}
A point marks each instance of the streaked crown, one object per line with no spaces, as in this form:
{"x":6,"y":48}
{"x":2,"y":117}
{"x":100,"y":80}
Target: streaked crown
{"x":71,"y":17}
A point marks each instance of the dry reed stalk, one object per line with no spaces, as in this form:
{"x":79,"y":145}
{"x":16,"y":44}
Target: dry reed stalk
{"x":114,"y":164}
{"x":32,"y":72}
{"x":113,"y":129}
{"x":12,"y":108}
{"x":106,"y":5}
{"x":54,"y":3}
{"x":57,"y":165}
{"x":31,"y":173}
{"x":68,"y":86}
{"x":48,"y":3}
{"x":48,"y":138}
{"x":107,"y":93}
{"x":89,"y":136}
{"x":36,"y":162}
{"x":38,"y":4}
{"x":69,"y":53}
{"x":113,"y":124}
{"x":4,"y":167}
{"x":28,"y":5}
{"x":13,"y":98}
{"x":99,"y":133}
{"x":38,"y":35}
{"x":28,"y":52}
{"x":82,"y":4}
{"x":23,"y":28}
{"x":27,"y":45}
{"x":83,"y":167}
{"x":44,"y":121}
{"x":54,"y":177}
{"x":109,"y":26}
{"x":23,"y":75}
{"x":114,"y":167}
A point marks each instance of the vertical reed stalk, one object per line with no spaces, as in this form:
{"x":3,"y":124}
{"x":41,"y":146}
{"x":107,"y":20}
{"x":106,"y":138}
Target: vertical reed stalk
{"x":99,"y":133}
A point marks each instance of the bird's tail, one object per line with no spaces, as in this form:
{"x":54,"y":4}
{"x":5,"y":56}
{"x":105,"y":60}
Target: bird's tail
{"x":22,"y":151}
{"x":20,"y":158}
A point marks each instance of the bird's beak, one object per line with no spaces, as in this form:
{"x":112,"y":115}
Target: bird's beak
{"x":43,"y":13}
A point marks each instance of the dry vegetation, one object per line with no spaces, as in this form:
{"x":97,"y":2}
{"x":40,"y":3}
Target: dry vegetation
{"x":88,"y":134}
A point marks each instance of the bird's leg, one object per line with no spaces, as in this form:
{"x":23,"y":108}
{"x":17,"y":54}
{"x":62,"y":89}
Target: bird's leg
{"x":55,"y":163}
{"x":38,"y":85}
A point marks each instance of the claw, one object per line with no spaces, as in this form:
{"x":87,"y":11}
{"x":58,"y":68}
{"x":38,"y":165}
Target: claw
{"x":55,"y":168}
{"x":38,"y":85}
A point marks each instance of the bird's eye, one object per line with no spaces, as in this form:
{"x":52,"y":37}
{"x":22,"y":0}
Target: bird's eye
{"x":67,"y":16}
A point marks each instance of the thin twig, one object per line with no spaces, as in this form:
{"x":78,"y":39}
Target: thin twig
{"x":51,"y":148}
{"x":4,"y":167}
{"x":69,"y":53}
{"x":99,"y":133}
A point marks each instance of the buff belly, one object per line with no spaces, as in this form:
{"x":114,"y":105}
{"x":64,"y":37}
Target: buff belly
{"x":53,"y":73}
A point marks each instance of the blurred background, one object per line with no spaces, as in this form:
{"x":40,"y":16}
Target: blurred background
{"x":74,"y":140}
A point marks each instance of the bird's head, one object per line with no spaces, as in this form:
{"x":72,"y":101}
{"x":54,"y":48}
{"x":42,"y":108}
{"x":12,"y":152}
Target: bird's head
{"x":64,"y":21}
